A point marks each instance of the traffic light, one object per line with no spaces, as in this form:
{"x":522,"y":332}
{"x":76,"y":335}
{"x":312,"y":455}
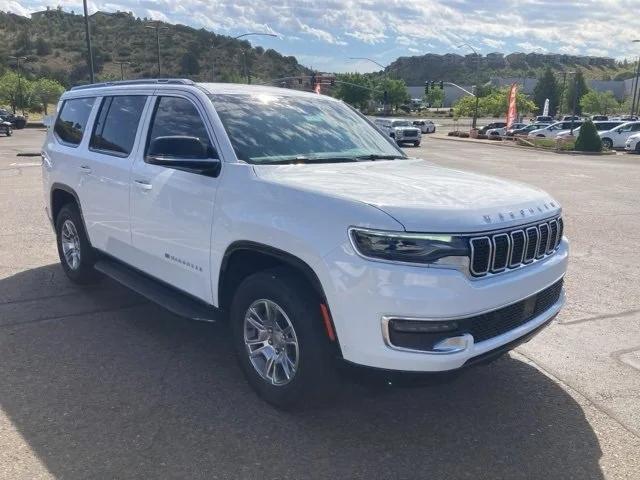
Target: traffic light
{"x":433,"y":84}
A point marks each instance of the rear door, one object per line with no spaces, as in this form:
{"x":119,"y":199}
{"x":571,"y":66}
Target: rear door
{"x":107,"y":166}
{"x":172,"y":209}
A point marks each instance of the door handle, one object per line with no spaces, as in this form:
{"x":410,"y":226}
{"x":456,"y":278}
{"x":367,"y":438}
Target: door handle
{"x":85,"y":169}
{"x":142,"y":184}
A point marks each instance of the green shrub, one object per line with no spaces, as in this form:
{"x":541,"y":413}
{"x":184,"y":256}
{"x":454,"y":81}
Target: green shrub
{"x":588,"y":139}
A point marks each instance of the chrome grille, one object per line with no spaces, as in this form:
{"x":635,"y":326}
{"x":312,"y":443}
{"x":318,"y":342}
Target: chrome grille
{"x":497,"y":252}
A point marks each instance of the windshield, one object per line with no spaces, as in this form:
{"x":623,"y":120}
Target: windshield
{"x":401,"y":123}
{"x":265,"y":128}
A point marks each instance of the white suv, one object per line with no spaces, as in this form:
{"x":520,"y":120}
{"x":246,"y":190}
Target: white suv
{"x":617,"y":137}
{"x":289,"y":215}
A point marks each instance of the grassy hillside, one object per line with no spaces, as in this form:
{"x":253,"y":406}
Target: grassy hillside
{"x":461,"y":69}
{"x":53,"y":42}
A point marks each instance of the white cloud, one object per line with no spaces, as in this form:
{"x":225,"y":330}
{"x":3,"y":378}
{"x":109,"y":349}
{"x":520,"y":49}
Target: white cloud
{"x":494,"y":43}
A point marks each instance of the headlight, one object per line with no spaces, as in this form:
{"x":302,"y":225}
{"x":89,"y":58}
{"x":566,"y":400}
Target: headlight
{"x":418,"y":248}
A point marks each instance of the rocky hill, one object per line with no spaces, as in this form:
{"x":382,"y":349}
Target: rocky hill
{"x":54,"y":43}
{"x":461,"y":69}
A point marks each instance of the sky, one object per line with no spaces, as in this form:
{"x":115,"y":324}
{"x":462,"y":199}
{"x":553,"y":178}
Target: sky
{"x":324,"y":34}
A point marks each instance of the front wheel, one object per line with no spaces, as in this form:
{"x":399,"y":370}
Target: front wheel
{"x":9,"y":132}
{"x":279,"y":339}
{"x":607,"y":143}
{"x":416,"y":144}
{"x":75,"y":252}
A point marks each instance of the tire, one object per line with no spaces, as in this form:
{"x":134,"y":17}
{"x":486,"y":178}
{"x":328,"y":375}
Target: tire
{"x":416,"y":144}
{"x":311,"y":372}
{"x":638,"y":147}
{"x":607,"y":143}
{"x":77,"y":256}
{"x":9,"y":132}
{"x":539,"y":135}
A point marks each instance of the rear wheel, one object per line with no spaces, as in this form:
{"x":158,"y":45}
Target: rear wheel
{"x":8,"y":132}
{"x":75,"y":252}
{"x":607,"y":143}
{"x":638,"y":147}
{"x":279,"y":339}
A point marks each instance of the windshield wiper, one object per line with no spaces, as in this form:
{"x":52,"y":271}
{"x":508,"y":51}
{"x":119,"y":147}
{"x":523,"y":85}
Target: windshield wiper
{"x":304,"y":159}
{"x":374,"y":156}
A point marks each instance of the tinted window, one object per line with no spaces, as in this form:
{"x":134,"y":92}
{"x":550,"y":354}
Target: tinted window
{"x":117,"y":124}
{"x":178,"y":117}
{"x":72,"y":119}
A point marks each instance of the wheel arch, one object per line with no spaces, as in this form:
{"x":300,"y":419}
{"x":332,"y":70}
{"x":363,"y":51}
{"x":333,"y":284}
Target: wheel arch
{"x":243,"y":258}
{"x":59,"y":196}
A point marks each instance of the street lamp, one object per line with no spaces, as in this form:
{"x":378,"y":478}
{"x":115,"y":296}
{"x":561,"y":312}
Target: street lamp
{"x":157,"y":28}
{"x":88,"y":39}
{"x":214,"y":47}
{"x":122,"y":64}
{"x":17,"y":59}
{"x":385,"y":94}
{"x":475,"y":110}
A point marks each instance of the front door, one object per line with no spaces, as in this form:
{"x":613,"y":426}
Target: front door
{"x":172,"y":209}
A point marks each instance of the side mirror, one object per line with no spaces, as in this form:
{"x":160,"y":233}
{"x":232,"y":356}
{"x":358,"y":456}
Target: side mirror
{"x":183,"y":153}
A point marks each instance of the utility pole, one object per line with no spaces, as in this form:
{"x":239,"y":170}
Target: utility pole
{"x":19,"y":96}
{"x":87,"y":35}
{"x":564,"y":85}
{"x":575,"y":98}
{"x":157,"y":28}
{"x":122,"y":64}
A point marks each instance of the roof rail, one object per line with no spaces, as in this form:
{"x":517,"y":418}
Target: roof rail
{"x":142,"y":81}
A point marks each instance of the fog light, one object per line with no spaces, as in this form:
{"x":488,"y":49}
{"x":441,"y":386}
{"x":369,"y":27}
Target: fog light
{"x":418,"y":326}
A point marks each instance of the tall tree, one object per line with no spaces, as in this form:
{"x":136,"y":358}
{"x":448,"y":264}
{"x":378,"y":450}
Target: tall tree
{"x":598,"y":102}
{"x":547,"y":87}
{"x":579,"y":85}
{"x":46,"y":91}
{"x":397,"y":93}
{"x":353,"y":88}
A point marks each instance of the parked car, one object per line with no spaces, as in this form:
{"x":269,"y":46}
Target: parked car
{"x":402,"y":131}
{"x":5,"y":127}
{"x":317,"y":239}
{"x":617,"y":137}
{"x":600,"y":126}
{"x":524,"y":131}
{"x":546,"y":119}
{"x":568,"y":118}
{"x":552,"y":130}
{"x":17,"y":121}
{"x":599,"y":118}
{"x":633,"y":143}
{"x":425,"y":126}
{"x":483,"y":130}
{"x":502,"y":131}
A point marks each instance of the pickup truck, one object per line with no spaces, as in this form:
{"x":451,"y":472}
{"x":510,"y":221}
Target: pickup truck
{"x":291,"y":216}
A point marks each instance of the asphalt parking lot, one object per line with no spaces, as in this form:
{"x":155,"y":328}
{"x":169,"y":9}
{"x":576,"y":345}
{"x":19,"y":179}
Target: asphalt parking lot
{"x":98,"y":383}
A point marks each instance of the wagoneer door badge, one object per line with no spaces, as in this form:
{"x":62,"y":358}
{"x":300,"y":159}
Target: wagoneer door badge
{"x":183,"y":262}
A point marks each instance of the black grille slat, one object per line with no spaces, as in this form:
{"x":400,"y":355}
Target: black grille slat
{"x":553,"y":236}
{"x":510,"y":249}
{"x":532,"y":244}
{"x":500,"y":252}
{"x":517,"y":248}
{"x":481,"y":255}
{"x":544,"y":239}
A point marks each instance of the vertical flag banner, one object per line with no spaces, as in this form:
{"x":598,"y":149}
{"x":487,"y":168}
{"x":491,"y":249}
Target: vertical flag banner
{"x":545,"y":110}
{"x":512,"y":110}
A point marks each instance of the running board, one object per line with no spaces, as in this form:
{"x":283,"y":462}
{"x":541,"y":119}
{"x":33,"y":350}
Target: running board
{"x":167,"y":297}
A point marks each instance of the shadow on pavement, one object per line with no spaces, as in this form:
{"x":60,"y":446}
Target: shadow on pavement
{"x":102,"y":384}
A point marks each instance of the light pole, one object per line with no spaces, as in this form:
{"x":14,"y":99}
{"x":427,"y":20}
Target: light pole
{"x":475,"y":110}
{"x":564,"y":86}
{"x":634,"y":85}
{"x":122,"y":64}
{"x":157,"y":28}
{"x":574,"y":99}
{"x":87,"y":35}
{"x":385,"y":93}
{"x":214,"y":47}
{"x":19,"y":96}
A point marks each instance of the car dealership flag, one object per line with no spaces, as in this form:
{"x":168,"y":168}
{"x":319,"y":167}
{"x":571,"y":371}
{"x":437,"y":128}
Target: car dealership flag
{"x":545,"y":110}
{"x":512,"y":110}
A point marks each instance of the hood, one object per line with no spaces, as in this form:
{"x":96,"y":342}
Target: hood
{"x":421,"y":196}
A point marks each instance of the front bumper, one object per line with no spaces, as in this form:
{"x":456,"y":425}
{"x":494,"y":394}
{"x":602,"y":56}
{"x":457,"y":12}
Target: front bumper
{"x":363,"y":293}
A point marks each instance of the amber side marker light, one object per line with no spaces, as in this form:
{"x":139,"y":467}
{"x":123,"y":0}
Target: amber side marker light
{"x":326,"y":318}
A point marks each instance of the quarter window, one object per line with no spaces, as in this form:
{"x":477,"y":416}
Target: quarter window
{"x":117,"y":124}
{"x":72,"y":120}
{"x":175,"y":116}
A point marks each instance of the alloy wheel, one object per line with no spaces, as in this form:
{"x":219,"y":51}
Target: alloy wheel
{"x":70,"y":245}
